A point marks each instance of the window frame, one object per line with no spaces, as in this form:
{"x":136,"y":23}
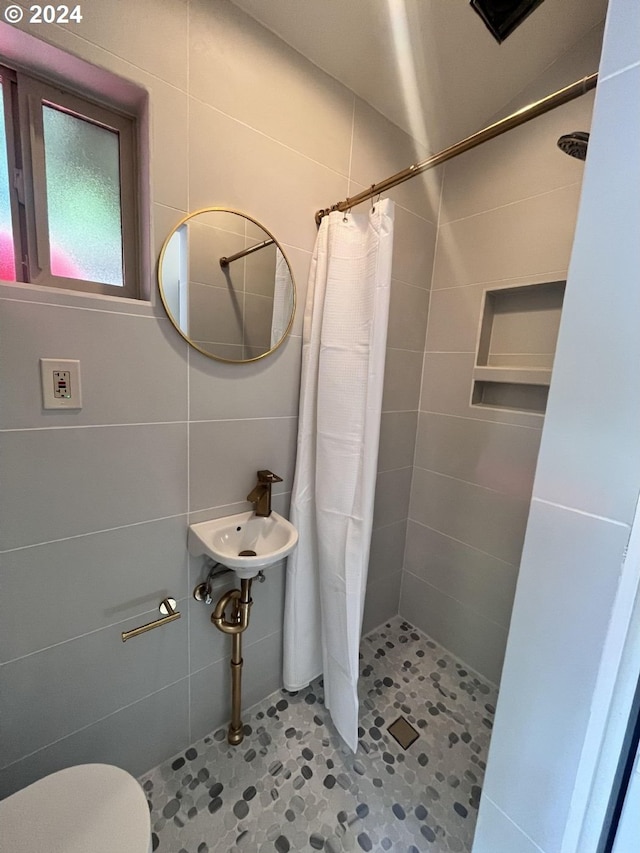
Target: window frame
{"x":24,"y":96}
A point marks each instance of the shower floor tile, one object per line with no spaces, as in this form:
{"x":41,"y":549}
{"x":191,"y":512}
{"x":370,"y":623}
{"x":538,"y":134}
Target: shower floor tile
{"x":292,"y":786}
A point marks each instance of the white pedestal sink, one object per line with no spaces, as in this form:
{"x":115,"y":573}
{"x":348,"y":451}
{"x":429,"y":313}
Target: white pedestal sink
{"x":244,"y":542}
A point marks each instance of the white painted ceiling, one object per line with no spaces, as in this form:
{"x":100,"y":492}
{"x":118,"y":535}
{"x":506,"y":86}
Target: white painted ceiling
{"x":431,"y":66}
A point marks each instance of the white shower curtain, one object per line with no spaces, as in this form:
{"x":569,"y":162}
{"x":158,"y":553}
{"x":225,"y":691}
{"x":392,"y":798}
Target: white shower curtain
{"x":344,"y":340}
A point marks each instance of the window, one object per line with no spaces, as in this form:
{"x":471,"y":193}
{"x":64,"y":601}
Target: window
{"x":67,"y":190}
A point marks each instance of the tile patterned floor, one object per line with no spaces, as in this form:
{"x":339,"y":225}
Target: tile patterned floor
{"x":292,"y":786}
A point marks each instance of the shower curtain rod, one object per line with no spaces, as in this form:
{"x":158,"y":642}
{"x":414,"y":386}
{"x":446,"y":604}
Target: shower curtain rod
{"x":225,"y":261}
{"x":538,"y":108}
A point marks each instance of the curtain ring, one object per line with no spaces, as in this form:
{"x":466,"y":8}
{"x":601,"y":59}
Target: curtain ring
{"x":373,"y":203}
{"x":346,"y":214}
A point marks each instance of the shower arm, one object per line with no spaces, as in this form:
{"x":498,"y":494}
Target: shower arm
{"x":538,"y":108}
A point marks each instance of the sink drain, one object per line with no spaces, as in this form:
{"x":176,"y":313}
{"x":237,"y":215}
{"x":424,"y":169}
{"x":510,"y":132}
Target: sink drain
{"x":248,"y":553}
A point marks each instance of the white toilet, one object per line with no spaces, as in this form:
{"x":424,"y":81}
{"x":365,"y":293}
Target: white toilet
{"x":91,"y":808}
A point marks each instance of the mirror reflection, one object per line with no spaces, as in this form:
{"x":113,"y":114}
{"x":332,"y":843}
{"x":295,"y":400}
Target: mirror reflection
{"x":226,"y":285}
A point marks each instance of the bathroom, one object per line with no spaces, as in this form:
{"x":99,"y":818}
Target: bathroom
{"x":95,"y":503}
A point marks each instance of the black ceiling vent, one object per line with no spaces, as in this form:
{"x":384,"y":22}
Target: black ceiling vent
{"x":503,"y":16}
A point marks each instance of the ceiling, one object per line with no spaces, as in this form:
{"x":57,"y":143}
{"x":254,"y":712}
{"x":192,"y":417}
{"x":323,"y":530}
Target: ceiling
{"x":431,"y":66}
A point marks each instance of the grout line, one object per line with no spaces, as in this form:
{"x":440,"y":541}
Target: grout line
{"x":171,"y":206}
{"x":461,"y":542}
{"x":512,"y":822}
{"x":135,"y":616}
{"x":304,"y":249}
{"x":273,"y":139}
{"x":424,"y":346}
{"x":582,"y":512}
{"x":93,"y":723}
{"x":614,"y":74}
{"x":277,"y":692}
{"x":361,"y":187}
{"x":150,"y":423}
{"x":243,"y":420}
{"x":417,"y":287}
{"x":183,"y":213}
{"x":143,"y":315}
{"x":483,"y":678}
{"x":538,"y":417}
{"x":401,"y":349}
{"x":512,"y":281}
{"x":411,"y":212}
{"x":106,"y":50}
{"x":476,"y":485}
{"x":391,"y":524}
{"x":430,"y":289}
{"x":390,"y":575}
{"x":378,"y":628}
{"x":481,"y":420}
{"x":93,"y":533}
{"x":353,"y":133}
{"x":408,"y":467}
{"x":228,"y":506}
{"x":94,"y":426}
{"x":512,"y":203}
{"x":403,"y":577}
{"x":399,"y":280}
{"x":226,"y":656}
{"x":187,"y":560}
{"x":463,"y":604}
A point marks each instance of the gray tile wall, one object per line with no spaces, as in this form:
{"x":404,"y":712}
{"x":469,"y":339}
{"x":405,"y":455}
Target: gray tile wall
{"x":507,"y":217}
{"x":95,"y":504}
{"x":571,"y":594}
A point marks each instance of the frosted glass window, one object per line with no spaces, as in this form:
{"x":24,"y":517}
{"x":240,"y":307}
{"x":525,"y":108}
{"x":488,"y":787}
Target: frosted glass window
{"x":69,"y":177}
{"x":7,"y":259}
{"x":82,"y":163}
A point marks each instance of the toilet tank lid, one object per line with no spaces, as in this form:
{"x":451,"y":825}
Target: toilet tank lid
{"x":94,"y":807}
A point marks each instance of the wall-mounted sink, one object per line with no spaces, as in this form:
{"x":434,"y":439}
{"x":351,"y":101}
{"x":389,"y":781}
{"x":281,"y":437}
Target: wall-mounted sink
{"x":245,"y":542}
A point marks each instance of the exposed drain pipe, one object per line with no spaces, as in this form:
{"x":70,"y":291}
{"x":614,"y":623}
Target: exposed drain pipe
{"x":240,"y":600}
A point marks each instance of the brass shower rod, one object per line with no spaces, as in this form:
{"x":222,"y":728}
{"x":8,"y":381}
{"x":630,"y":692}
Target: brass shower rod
{"x":538,"y":108}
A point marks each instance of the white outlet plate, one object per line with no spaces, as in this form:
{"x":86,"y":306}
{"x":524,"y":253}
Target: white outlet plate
{"x":48,"y":368}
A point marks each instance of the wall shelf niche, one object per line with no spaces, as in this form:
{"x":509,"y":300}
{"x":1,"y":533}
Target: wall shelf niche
{"x":516,"y":346}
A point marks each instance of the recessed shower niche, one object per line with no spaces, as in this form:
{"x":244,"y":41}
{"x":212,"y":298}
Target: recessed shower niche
{"x":517,"y":343}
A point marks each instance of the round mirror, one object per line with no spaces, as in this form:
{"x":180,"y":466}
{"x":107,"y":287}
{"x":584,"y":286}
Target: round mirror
{"x":226,"y":285}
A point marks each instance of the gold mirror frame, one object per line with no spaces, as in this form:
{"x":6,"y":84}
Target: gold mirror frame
{"x":166,"y":303}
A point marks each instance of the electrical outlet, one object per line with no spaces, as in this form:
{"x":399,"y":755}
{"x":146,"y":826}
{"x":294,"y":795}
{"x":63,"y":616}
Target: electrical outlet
{"x":62,"y":384}
{"x":61,"y":387}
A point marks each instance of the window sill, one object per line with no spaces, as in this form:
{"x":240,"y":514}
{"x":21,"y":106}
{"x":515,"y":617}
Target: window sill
{"x":25,"y":292}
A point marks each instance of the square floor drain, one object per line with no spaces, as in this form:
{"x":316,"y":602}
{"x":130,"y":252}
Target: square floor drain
{"x":403,"y":732}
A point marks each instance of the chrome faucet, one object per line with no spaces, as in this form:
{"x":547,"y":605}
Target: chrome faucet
{"x":260,"y":495}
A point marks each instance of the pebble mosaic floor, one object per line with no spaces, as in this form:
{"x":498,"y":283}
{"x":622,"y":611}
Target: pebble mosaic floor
{"x":292,"y":786}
